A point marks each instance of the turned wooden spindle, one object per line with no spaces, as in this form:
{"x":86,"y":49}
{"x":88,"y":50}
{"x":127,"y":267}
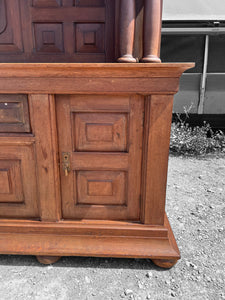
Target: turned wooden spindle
{"x":152,"y":30}
{"x":127,"y":26}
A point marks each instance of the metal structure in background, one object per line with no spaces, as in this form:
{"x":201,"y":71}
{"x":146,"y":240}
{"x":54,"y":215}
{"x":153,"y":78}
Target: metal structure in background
{"x":194,"y":30}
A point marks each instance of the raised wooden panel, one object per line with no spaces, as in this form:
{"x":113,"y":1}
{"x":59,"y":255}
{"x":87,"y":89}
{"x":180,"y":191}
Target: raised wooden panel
{"x":90,"y":38}
{"x":48,"y":37}
{"x":101,"y":188}
{"x":11,"y":189}
{"x":14,"y":114}
{"x":18,"y":186}
{"x":3,"y":21}
{"x":10,"y":27}
{"x":47,"y":3}
{"x":89,"y":2}
{"x":100,"y":131}
{"x":4,"y":182}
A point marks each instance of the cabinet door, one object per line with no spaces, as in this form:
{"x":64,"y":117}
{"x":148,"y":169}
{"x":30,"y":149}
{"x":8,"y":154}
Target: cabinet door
{"x":18,"y":189}
{"x":100,"y":142}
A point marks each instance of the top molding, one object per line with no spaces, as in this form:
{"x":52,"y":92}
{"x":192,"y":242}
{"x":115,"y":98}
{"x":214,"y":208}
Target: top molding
{"x":91,"y":78}
{"x":87,"y":70}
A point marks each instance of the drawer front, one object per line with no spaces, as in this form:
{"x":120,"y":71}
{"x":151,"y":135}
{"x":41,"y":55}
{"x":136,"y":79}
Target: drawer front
{"x":14,"y":114}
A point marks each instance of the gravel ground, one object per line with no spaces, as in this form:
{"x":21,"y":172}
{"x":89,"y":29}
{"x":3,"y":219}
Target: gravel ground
{"x":196,"y":210}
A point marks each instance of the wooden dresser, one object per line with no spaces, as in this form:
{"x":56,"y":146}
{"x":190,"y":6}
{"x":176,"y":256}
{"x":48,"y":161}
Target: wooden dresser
{"x":83,"y":146}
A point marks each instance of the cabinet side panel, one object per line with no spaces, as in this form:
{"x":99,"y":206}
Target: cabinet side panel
{"x":158,"y":115}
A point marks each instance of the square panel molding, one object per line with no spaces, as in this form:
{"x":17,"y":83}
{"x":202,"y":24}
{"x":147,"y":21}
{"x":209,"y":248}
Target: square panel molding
{"x":49,"y":37}
{"x":101,"y":131}
{"x":11,"y":189}
{"x":90,"y":38}
{"x":101,"y":187}
{"x":18,"y":181}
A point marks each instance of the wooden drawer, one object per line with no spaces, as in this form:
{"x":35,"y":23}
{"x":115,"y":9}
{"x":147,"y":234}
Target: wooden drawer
{"x":14,"y":114}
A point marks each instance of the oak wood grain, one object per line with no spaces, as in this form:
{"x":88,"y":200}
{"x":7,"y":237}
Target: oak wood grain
{"x":44,"y":129}
{"x":85,"y":70}
{"x":18,"y":160}
{"x":87,"y":245}
{"x":158,"y":116}
{"x":83,"y":227}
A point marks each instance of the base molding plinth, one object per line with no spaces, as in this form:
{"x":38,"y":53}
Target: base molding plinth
{"x":49,"y":241}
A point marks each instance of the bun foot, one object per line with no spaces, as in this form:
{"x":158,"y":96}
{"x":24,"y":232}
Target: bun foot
{"x":47,"y":260}
{"x":165,"y":263}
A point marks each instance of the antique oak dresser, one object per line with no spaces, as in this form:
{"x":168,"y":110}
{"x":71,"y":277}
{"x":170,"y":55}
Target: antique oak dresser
{"x":84,"y":139}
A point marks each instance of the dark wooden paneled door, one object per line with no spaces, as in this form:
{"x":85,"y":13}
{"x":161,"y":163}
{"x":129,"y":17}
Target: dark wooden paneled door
{"x":102,"y":141}
{"x":57,"y":30}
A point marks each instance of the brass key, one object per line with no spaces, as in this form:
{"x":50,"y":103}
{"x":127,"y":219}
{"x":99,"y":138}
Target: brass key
{"x":66,"y":171}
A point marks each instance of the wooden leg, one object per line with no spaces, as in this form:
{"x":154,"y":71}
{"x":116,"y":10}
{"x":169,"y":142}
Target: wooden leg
{"x":127,"y":26}
{"x":47,"y":260}
{"x":152,"y":31}
{"x":165,"y":263}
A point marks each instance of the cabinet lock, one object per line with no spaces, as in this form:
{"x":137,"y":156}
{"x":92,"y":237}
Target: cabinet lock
{"x":66,"y":163}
